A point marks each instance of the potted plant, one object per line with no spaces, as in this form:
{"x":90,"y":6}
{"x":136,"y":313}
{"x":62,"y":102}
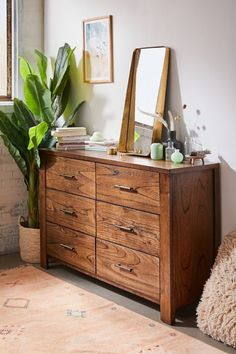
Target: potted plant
{"x":29,"y":127}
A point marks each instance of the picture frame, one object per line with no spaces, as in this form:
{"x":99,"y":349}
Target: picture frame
{"x":98,"y":50}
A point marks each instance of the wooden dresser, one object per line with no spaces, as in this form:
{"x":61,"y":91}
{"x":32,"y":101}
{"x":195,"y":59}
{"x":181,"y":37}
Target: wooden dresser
{"x":149,"y":227}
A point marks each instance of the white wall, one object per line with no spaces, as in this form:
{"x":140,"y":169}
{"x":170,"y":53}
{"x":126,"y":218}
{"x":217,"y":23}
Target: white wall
{"x":202,"y":38}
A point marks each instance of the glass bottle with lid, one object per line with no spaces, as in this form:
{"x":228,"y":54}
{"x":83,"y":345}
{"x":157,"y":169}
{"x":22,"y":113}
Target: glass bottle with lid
{"x":170,"y":149}
{"x":172,"y":137}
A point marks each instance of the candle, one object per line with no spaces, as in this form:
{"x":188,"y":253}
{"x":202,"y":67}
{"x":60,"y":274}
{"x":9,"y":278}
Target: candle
{"x":156,"y":151}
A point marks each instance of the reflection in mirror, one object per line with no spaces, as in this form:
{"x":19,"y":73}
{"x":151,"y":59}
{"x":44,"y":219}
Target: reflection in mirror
{"x":148,"y":79}
{"x":145,"y":92}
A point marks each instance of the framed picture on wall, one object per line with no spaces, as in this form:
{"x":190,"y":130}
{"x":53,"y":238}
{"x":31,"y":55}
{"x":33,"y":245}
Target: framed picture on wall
{"x":98,"y":50}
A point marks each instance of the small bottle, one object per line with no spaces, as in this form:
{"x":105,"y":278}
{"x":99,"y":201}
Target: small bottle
{"x":187,"y":146}
{"x":172,"y":137}
{"x":169,"y":150}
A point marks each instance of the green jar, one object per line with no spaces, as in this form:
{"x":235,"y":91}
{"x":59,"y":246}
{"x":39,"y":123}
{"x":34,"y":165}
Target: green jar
{"x":156,"y":151}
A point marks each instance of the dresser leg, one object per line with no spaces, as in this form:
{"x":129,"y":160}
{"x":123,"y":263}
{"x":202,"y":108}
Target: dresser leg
{"x":44,"y":262}
{"x":167,"y":312}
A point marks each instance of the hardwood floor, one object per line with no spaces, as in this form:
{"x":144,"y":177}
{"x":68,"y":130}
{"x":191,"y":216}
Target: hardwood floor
{"x":185,"y":319}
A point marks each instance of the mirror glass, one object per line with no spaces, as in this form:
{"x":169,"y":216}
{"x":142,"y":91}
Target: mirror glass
{"x":146,"y":92}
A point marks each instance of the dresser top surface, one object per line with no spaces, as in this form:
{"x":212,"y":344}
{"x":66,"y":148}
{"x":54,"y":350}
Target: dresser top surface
{"x":129,"y":161}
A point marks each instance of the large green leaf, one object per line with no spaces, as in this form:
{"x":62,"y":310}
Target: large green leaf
{"x":38,"y":99}
{"x":65,"y":96}
{"x":61,"y":70}
{"x":60,"y":89}
{"x":48,"y":141}
{"x":72,"y":118}
{"x":14,"y":119}
{"x":42,"y":63}
{"x":13,"y":133}
{"x":36,"y":135}
{"x":25,"y":68}
{"x":60,"y":102}
{"x":23,"y":114}
{"x":3,"y":118}
{"x":16,"y":155}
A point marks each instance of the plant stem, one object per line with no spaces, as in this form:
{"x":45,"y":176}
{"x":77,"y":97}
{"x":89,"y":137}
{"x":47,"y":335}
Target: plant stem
{"x":33,"y":208}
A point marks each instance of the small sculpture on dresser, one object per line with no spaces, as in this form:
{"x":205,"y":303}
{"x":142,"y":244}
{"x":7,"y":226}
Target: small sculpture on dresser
{"x":197,"y":155}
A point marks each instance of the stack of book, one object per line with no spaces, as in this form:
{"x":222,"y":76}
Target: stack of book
{"x":76,"y":138}
{"x":70,"y":138}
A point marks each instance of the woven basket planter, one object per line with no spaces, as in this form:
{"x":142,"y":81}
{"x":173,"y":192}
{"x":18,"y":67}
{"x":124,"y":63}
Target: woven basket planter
{"x":29,"y":240}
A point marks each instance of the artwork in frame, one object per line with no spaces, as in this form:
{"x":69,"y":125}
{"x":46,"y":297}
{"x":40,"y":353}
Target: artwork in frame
{"x":98,"y":51}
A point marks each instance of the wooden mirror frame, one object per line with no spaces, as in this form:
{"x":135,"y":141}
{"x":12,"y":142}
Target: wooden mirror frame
{"x":126,"y":141}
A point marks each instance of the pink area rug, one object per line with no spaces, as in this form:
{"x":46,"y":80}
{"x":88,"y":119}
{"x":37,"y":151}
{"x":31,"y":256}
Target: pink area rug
{"x":41,"y":314}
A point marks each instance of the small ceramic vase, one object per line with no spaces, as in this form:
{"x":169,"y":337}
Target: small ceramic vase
{"x":97,"y":136}
{"x":177,"y":156}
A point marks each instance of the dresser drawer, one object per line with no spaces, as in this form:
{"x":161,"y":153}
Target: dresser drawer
{"x":131,"y":270}
{"x":71,"y":247}
{"x":128,"y":227}
{"x":73,"y":176}
{"x":72,"y":211}
{"x":129,"y":187}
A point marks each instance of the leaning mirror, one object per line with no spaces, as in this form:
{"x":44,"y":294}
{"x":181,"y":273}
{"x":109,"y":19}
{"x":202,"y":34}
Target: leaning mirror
{"x":145,"y":93}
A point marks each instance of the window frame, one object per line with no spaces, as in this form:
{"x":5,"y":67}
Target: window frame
{"x":8,"y":96}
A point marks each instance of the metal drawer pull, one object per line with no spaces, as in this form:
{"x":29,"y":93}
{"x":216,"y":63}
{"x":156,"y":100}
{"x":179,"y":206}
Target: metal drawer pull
{"x":67,"y":176}
{"x":69,"y":212}
{"x":67,"y":247}
{"x":124,"y":228}
{"x":123,"y":267}
{"x":125,"y":188}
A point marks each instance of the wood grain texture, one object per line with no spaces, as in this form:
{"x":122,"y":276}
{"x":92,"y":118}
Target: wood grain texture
{"x":193,"y":234}
{"x":126,"y":141}
{"x":167,"y":300}
{"x":132,"y":228}
{"x":82,"y":252}
{"x":71,"y":176}
{"x":71,"y":211}
{"x":130,"y":269}
{"x":145,"y":184}
{"x":217,"y":209}
{"x":170,"y":211}
{"x":123,"y":160}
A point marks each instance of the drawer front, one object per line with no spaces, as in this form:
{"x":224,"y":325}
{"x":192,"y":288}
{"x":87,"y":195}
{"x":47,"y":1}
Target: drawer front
{"x":132,"y":270}
{"x":73,"y":176}
{"x":72,"y":211}
{"x":128,"y":227}
{"x":71,"y":247}
{"x":129,"y":187}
